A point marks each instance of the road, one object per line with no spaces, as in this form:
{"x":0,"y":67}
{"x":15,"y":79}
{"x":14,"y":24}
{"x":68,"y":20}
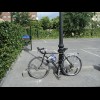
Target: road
{"x":89,"y":52}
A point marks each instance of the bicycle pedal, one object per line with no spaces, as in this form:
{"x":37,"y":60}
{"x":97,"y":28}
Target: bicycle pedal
{"x":25,"y":73}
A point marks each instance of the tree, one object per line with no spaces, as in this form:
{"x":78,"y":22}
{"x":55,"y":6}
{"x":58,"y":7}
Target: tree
{"x":75,"y":22}
{"x":55,"y":22}
{"x":21,"y":18}
{"x":45,"y":22}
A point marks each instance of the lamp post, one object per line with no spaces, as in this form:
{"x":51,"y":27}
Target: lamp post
{"x":61,"y":45}
{"x":93,"y":20}
{"x":30,"y":28}
{"x":37,"y":27}
{"x":31,"y":37}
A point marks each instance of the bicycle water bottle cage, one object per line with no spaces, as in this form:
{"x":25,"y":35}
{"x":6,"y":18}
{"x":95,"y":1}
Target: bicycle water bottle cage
{"x":52,"y":58}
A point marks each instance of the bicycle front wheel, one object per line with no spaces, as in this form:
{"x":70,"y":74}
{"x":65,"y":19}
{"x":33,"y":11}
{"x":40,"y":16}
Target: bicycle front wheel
{"x":72,"y":65}
{"x":38,"y":69}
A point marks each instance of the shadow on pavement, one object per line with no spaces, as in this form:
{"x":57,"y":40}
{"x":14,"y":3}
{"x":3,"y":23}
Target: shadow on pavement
{"x":97,"y":67}
{"x":26,"y":49}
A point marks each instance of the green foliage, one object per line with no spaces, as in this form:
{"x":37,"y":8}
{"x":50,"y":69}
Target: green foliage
{"x":55,"y":23}
{"x":42,"y":34}
{"x":75,"y":22}
{"x":45,"y":23}
{"x":10,"y":44}
{"x":21,"y":18}
{"x":91,"y":33}
{"x":49,"y":34}
{"x":45,"y":28}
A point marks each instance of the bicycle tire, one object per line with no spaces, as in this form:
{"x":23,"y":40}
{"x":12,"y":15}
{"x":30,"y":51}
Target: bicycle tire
{"x":66,"y":70}
{"x":36,"y":70}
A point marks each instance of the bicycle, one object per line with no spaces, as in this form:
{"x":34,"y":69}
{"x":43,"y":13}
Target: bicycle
{"x":39,"y":67}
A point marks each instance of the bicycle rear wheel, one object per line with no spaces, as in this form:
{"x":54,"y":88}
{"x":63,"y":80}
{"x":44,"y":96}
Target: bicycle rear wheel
{"x":72,"y":65}
{"x":38,"y":69}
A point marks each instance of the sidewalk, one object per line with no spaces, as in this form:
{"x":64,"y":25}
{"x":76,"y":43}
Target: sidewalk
{"x":88,"y":77}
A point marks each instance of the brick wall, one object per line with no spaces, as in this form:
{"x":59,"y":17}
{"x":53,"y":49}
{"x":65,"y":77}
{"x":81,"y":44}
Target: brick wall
{"x":6,"y":16}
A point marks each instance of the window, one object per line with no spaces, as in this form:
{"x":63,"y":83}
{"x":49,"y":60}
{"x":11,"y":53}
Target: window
{"x":9,"y":17}
{"x":4,"y":16}
{"x":33,"y":16}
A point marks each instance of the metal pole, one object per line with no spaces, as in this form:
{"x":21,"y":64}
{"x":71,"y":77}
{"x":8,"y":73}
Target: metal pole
{"x":61,"y":45}
{"x":37,"y":30}
{"x":31,"y":37}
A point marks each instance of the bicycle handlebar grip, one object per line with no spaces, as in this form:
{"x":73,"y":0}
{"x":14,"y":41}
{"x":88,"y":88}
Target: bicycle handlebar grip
{"x":39,"y":49}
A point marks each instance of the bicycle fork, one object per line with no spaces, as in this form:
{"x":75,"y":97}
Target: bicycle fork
{"x":56,"y":71}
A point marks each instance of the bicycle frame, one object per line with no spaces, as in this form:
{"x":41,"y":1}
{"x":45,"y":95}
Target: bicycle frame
{"x":60,"y":66}
{"x":57,"y":67}
{"x":65,"y":67}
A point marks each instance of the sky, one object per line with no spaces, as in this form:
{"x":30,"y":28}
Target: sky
{"x":49,"y":14}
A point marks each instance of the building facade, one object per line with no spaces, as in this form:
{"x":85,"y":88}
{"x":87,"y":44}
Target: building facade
{"x":33,"y":15}
{"x":6,"y":16}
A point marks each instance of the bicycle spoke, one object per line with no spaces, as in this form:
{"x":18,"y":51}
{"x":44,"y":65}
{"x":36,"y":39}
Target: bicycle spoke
{"x":37,"y":69}
{"x":74,"y":67}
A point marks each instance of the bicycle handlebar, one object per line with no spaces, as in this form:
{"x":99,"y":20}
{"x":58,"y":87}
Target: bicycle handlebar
{"x":44,"y":52}
{"x":40,"y":50}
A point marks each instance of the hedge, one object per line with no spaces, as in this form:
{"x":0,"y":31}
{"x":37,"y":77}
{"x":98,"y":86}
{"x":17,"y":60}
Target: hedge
{"x":44,"y":34}
{"x":10,"y":45}
{"x":92,"y":33}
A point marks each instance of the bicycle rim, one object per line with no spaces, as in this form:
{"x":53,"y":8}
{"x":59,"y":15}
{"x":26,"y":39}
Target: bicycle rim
{"x":72,"y":68}
{"x":36,"y":69}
